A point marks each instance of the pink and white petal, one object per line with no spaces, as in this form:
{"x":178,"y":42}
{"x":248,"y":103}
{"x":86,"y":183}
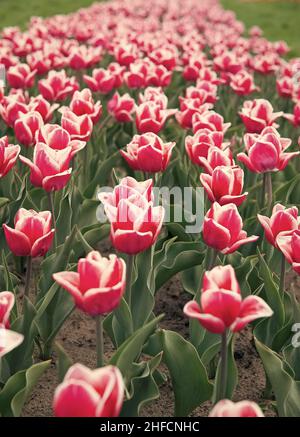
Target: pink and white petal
{"x":252,"y":308}
{"x":17,"y":242}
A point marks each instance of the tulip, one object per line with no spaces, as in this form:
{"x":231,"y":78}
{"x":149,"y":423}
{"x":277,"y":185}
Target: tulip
{"x":188,"y":110}
{"x":9,"y":340}
{"x":11,"y":108}
{"x":98,"y":285}
{"x":216,"y":157}
{"x":224,"y":185}
{"x":121,"y":107}
{"x":82,"y":103}
{"x":43,"y":107}
{"x":222,"y":308}
{"x":80,"y":127}
{"x":7,"y":301}
{"x":148,"y":153}
{"x":285,"y":87}
{"x":204,"y":91}
{"x":89,"y":393}
{"x":126,"y":54}
{"x":158,"y":75}
{"x":49,"y":168}
{"x":227,"y":408}
{"x":102,"y":81}
{"x":289,"y":244}
{"x":58,"y":138}
{"x":222,"y":228}
{"x":135,"y":223}
{"x":198,"y":146}
{"x":26,"y":127}
{"x":32,"y":234}
{"x":83,"y":57}
{"x":156,"y":95}
{"x":242,"y":83}
{"x":118,"y":72}
{"x":150,"y":118}
{"x":266,"y":151}
{"x":8,"y":156}
{"x":57,"y":86}
{"x":210,"y":120}
{"x":295,"y":117}
{"x":20,"y":76}
{"x":258,"y":114}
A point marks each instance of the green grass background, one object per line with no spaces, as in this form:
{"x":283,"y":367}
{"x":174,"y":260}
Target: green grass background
{"x":279,"y":19}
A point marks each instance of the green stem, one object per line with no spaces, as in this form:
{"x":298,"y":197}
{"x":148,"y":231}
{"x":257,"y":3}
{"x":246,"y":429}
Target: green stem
{"x":130,"y":263}
{"x":212,"y":259}
{"x":99,"y":341}
{"x":221,"y":390}
{"x":50,"y":195}
{"x":282,"y":274}
{"x":269,"y":189}
{"x":28,"y":276}
{"x":263,"y":191}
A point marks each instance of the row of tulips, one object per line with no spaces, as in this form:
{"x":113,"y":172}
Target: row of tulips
{"x":141,"y":97}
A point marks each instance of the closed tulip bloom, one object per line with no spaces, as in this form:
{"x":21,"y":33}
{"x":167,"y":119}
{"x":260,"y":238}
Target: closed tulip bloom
{"x":8,"y":156}
{"x":289,"y":244}
{"x":224,"y":185}
{"x":82,"y":103}
{"x":242,"y":83}
{"x":7,"y":301}
{"x":102,"y":81}
{"x":98,"y":285}
{"x":222,"y":228}
{"x":26,"y":127}
{"x":266,"y":151}
{"x":282,"y":220}
{"x":198,"y":145}
{"x":89,"y":393}
{"x":221,"y":304}
{"x":58,"y":138}
{"x":210,"y":120}
{"x":121,"y":107}
{"x":32,"y":234}
{"x":150,"y":118}
{"x":20,"y":76}
{"x":258,"y":114}
{"x":80,"y":127}
{"x":227,"y":408}
{"x":9,"y":340}
{"x":216,"y":157}
{"x":49,"y":168}
{"x":135,"y":223}
{"x":57,"y":86}
{"x":148,"y":153}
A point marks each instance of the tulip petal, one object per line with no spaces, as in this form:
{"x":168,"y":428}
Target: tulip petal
{"x":17,"y":242}
{"x":252,"y":308}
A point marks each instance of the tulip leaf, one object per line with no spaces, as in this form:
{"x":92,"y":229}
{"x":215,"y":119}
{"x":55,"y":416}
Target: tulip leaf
{"x":18,"y":388}
{"x":286,"y":389}
{"x":64,"y":361}
{"x":3,"y":201}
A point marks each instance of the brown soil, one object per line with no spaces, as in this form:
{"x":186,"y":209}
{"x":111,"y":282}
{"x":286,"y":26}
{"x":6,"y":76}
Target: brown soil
{"x":78,"y":339}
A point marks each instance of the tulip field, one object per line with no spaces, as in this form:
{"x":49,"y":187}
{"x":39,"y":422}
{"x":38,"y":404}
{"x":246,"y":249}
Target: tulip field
{"x":150,"y":233}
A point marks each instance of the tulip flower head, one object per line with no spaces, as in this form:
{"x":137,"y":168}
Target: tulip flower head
{"x":32,"y":234}
{"x":8,"y":156}
{"x":258,"y":114}
{"x":227,"y":408}
{"x":89,"y":393}
{"x":7,"y":301}
{"x":98,"y":285}
{"x":9,"y":340}
{"x":221,"y":304}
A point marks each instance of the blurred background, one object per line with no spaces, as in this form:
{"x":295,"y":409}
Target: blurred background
{"x":278,"y":19}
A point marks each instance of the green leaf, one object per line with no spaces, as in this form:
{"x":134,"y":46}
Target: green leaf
{"x":17,"y":389}
{"x":64,"y":361}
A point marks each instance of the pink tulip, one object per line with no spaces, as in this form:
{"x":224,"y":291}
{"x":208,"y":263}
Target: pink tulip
{"x":216,"y":157}
{"x":242,"y":83}
{"x":222,"y":228}
{"x":198,"y":146}
{"x":82,"y":103}
{"x":43,"y":107}
{"x":80,"y":127}
{"x":258,"y":114}
{"x":148,"y":153}
{"x":102,"y":81}
{"x":7,"y":301}
{"x":20,"y":76}
{"x":266,"y":151}
{"x":98,"y":285}
{"x":32,"y":234}
{"x":121,"y":107}
{"x":9,"y":340}
{"x":135,"y":223}
{"x":57,"y":86}
{"x":285,"y":87}
{"x":224,"y":185}
{"x":282,"y":220}
{"x":150,"y":118}
{"x":10,"y":109}
{"x":295,"y":117}
{"x":189,"y":108}
{"x":289,"y":244}
{"x":49,"y":168}
{"x":26,"y":127}
{"x":89,"y":393}
{"x":227,"y":408}
{"x":58,"y":138}
{"x":8,"y":156}
{"x":221,"y":304}
{"x":210,"y":120}
{"x":156,"y":95}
